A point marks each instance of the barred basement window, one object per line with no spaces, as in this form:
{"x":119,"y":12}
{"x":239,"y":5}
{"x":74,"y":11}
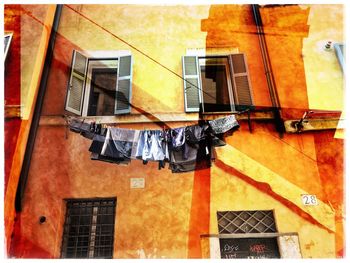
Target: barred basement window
{"x":89,"y":228}
{"x":231,"y":222}
{"x":247,"y":234}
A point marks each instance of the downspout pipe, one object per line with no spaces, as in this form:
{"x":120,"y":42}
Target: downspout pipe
{"x":37,"y":112}
{"x":268,"y":71}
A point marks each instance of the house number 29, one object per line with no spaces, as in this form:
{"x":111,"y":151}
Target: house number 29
{"x":309,"y":199}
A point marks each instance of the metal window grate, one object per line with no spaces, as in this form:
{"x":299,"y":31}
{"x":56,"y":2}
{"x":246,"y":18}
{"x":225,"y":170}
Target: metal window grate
{"x":234,"y":222}
{"x":89,"y":228}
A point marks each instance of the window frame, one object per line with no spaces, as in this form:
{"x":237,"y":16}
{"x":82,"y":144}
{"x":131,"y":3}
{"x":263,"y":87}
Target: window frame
{"x":238,"y":93}
{"x":229,"y":79}
{"x":92,"y":226}
{"x":243,"y":233}
{"x":98,"y":55}
{"x":91,"y":65}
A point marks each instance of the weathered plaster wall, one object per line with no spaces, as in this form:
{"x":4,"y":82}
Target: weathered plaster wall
{"x":230,"y":193}
{"x":22,"y":75}
{"x":12,"y":86}
{"x":168,"y":216}
{"x":160,"y":32}
{"x":324,"y":77}
{"x":285,"y":28}
{"x":32,"y":26}
{"x":153,"y":220}
{"x":12,"y":97}
{"x":234,"y":26}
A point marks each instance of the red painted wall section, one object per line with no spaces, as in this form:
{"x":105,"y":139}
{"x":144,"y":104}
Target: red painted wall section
{"x":200,"y":212}
{"x":51,"y":168}
{"x":227,"y":26}
{"x":330,"y":158}
{"x":12,"y":85}
{"x":21,"y":247}
{"x":284,"y":33}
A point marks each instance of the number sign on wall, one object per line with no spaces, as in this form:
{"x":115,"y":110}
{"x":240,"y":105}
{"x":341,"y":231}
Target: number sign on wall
{"x":309,"y":199}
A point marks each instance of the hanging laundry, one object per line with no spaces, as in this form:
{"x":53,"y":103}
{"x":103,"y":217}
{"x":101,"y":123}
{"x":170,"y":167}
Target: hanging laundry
{"x":185,"y":148}
{"x":87,"y":130}
{"x":177,"y":137}
{"x":224,"y":124}
{"x":196,"y":133}
{"x":150,"y":146}
{"x":194,"y":154}
{"x":99,"y":157}
{"x":120,"y":143}
{"x":220,"y":128}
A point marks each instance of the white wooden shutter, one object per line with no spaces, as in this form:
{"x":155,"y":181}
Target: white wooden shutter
{"x":123,"y":89}
{"x":192,"y":85}
{"x":339,"y":51}
{"x":76,"y":85}
{"x":7,"y":42}
{"x":241,"y":81}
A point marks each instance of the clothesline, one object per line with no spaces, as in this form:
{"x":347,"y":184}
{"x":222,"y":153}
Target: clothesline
{"x":185,"y":148}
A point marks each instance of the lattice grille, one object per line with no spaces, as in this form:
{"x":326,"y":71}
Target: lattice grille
{"x":235,"y":222}
{"x":89,"y":228}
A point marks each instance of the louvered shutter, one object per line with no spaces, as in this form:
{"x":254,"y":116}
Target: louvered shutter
{"x":339,"y":51}
{"x":76,"y":85}
{"x":123,"y":89}
{"x":192,"y":85}
{"x":240,"y":79}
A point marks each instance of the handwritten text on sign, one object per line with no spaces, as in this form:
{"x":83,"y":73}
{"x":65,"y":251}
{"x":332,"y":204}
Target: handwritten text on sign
{"x":309,"y":199}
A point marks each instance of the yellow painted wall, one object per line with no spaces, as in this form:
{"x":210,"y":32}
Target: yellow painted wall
{"x":229,"y":193}
{"x":324,"y":76}
{"x":33,"y":28}
{"x":160,"y":32}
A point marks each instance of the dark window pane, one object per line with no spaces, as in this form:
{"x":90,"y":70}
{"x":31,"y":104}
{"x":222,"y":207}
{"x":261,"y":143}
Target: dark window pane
{"x":103,"y":91}
{"x":215,"y":84}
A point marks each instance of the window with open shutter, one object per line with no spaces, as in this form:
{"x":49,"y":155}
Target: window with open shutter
{"x":74,"y":102}
{"x":241,"y":82}
{"x":100,"y":85}
{"x":216,"y":83}
{"x":191,"y":83}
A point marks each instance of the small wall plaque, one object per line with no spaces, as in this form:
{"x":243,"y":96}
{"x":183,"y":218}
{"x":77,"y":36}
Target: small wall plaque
{"x":137,"y":183}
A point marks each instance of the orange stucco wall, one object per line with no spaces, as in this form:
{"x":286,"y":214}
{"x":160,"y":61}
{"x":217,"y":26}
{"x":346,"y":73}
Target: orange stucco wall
{"x":284,"y":33}
{"x":30,"y":26}
{"x":254,"y":171}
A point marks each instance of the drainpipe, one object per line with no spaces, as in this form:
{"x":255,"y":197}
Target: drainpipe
{"x":37,"y":112}
{"x":268,"y":71}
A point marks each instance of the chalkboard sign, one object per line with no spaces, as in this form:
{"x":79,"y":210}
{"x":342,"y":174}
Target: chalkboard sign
{"x":249,"y":248}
